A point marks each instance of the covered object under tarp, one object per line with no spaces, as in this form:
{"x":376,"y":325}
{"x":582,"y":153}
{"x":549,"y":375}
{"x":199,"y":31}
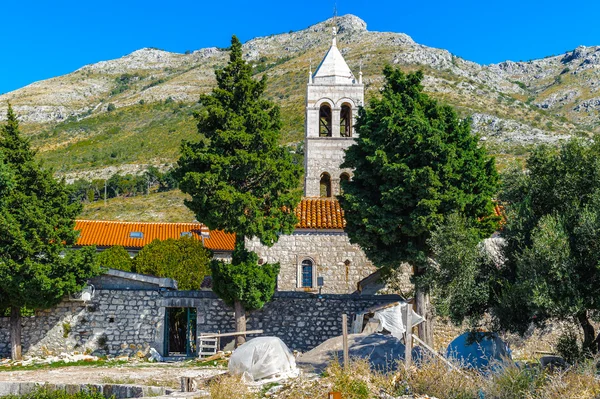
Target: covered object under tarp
{"x":262,"y":357}
{"x":478,"y":350}
{"x":382,"y":351}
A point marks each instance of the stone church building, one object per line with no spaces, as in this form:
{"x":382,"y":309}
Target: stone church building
{"x":318,"y":256}
{"x":319,"y":252}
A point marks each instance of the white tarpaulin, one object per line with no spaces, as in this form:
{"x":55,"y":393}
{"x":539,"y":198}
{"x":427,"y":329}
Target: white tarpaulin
{"x":393,"y":319}
{"x":262,"y":357}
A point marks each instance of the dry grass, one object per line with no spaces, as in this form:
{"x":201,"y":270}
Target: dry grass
{"x":432,"y":378}
{"x":229,"y":387}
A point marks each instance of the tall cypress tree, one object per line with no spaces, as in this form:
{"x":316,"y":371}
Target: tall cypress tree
{"x":36,"y":226}
{"x":241,"y":180}
{"x":415,"y":162}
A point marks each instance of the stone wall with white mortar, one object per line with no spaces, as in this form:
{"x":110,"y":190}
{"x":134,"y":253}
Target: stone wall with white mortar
{"x":328,"y":251}
{"x":114,"y":321}
{"x":118,"y":322}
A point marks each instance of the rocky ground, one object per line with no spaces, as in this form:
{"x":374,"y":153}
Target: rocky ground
{"x":150,"y":374}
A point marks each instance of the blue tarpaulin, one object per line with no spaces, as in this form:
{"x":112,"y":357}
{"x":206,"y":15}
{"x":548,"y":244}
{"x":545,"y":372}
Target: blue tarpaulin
{"x":478,"y":350}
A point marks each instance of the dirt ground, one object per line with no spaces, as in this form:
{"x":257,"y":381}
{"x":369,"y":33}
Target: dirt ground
{"x":155,"y":374}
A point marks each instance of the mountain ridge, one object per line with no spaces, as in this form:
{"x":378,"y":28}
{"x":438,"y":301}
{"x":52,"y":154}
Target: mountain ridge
{"x":513,"y":105}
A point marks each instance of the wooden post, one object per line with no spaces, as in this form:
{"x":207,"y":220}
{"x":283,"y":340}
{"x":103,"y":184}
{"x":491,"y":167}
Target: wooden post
{"x":187,"y":384}
{"x":408,"y":337}
{"x":345,"y":339}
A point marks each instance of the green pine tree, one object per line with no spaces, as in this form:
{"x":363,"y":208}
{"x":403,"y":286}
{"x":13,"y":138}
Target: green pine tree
{"x":414,"y":163}
{"x":36,"y":227}
{"x":240,"y":179}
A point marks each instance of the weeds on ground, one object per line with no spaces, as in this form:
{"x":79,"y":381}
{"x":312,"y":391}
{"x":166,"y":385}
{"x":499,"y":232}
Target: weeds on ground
{"x":43,"y":393}
{"x":118,"y":381}
{"x":510,"y":382}
{"x":62,"y":363}
{"x":431,"y":377}
{"x":358,"y":381}
{"x":579,"y":382}
{"x":228,"y":387}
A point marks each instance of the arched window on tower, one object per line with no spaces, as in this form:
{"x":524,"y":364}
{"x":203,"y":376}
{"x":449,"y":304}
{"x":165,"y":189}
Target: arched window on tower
{"x":307,"y":273}
{"x":325,"y":185}
{"x":346,"y":121}
{"x":343,"y":177}
{"x":325,"y":121}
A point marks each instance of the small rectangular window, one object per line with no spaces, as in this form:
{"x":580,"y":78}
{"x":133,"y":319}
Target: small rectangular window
{"x":185,"y":234}
{"x":136,"y":234}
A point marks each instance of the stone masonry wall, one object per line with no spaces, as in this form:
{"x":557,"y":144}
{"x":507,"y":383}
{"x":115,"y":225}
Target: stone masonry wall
{"x":301,"y":320}
{"x":128,"y":321}
{"x":115,"y":322}
{"x":327,"y":250}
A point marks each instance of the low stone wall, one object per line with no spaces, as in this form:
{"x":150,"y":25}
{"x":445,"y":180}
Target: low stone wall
{"x":129,"y":321}
{"x":114,"y":321}
{"x":301,"y":320}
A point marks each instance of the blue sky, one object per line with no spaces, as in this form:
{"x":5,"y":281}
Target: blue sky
{"x":40,"y":39}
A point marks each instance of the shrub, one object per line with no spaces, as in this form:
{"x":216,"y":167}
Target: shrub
{"x":115,"y":257}
{"x":185,"y":260}
{"x":568,"y":348}
{"x":111,"y":107}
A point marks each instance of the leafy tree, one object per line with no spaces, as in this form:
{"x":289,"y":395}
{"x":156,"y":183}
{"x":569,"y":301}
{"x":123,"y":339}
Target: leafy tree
{"x":467,"y":272}
{"x":239,"y":177}
{"x":552,"y":247}
{"x":548,"y":265}
{"x":185,"y":260}
{"x":415,"y":162}
{"x":115,"y":257}
{"x":250,"y":284}
{"x":36,"y":226}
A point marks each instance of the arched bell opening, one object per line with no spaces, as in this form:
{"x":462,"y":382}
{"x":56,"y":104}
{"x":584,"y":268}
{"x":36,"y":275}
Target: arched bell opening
{"x":325,"y":126}
{"x":346,"y":120}
{"x":343,"y":178}
{"x":325,"y":185}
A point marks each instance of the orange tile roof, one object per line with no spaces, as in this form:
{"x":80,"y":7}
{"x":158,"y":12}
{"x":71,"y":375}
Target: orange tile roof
{"x":320,"y":213}
{"x":312,"y":213}
{"x":108,"y":233}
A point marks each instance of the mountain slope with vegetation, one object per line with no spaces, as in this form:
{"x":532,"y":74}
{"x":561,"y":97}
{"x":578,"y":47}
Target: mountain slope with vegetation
{"x":135,"y":110}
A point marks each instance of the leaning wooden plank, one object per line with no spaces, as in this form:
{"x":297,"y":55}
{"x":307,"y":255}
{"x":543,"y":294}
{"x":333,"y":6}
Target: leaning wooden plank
{"x":232,"y":334}
{"x":430,"y":349}
{"x":217,"y":356}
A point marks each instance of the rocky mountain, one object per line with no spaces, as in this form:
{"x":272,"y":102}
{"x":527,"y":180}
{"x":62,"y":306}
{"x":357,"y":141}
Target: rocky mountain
{"x":136,"y":109}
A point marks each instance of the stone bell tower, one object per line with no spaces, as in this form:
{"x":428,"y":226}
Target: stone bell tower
{"x":333,"y":96}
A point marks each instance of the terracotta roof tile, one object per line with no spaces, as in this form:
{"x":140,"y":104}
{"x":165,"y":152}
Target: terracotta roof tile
{"x":105,"y":233}
{"x":320,"y":213}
